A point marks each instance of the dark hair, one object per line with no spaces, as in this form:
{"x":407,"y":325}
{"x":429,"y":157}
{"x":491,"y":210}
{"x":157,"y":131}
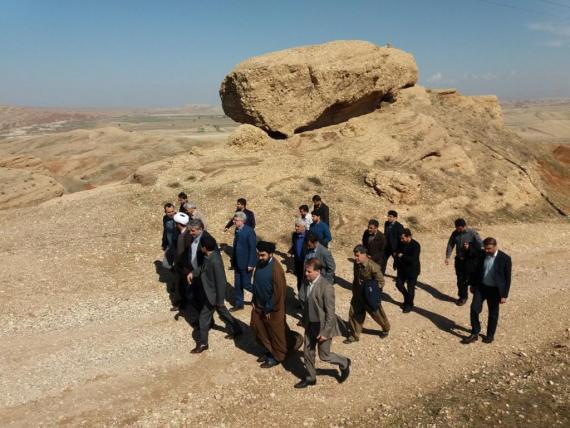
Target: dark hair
{"x":314,"y":263}
{"x":304,"y":208}
{"x":168,"y":205}
{"x":489,"y":241}
{"x":360,"y":249}
{"x":316,"y":198}
{"x":313,"y":237}
{"x":208,"y":242}
{"x":196,"y":224}
{"x":242,"y":201}
{"x":407,"y":232}
{"x":183,"y":195}
{"x":460,"y":222}
{"x":373,"y":222}
{"x":393,"y":213}
{"x":317,"y":213}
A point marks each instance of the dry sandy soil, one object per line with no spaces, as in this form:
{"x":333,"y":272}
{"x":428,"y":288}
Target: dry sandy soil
{"x":86,"y":337}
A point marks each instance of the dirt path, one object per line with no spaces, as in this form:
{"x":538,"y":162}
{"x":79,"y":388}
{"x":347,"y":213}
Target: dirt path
{"x":86,"y":336}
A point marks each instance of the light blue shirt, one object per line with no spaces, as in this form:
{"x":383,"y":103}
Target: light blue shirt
{"x":488,"y":279}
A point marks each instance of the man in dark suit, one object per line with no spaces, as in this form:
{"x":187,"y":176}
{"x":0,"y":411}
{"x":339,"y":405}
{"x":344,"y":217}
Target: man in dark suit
{"x":374,"y":242}
{"x":241,"y":207}
{"x":321,"y":325}
{"x":209,"y":282}
{"x":182,"y":265}
{"x":322,"y":209}
{"x":392,"y":232}
{"x":298,"y":250}
{"x":408,"y":265}
{"x":169,"y":235}
{"x":492,"y":283}
{"x":244,"y":258}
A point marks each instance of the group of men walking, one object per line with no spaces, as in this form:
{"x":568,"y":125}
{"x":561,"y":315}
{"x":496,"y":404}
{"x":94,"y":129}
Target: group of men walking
{"x":200,"y":282}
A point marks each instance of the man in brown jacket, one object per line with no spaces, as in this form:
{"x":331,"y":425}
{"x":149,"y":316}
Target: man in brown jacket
{"x":321,"y":325}
{"x":364,"y":270}
{"x":268,"y":317}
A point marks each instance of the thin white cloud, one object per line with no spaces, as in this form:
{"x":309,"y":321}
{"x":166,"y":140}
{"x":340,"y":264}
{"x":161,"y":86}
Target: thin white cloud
{"x":435,"y":78}
{"x":481,"y":76}
{"x":558,"y":30}
{"x":552,"y":44}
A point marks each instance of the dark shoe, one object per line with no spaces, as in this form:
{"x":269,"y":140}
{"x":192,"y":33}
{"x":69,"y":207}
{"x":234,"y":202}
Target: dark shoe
{"x":383,"y":334}
{"x":470,"y":339}
{"x":270,"y":362}
{"x":199,"y":349}
{"x":177,"y":316}
{"x":344,"y":372}
{"x":233,"y":335}
{"x":407,"y":309}
{"x":350,"y":339}
{"x":262,"y":359}
{"x":488,"y":339}
{"x":461,"y":302}
{"x":236,"y":308}
{"x":305,"y":383}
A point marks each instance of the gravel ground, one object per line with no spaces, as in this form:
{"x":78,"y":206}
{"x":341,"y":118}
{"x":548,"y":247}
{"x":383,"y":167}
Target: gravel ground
{"x":86,"y":336}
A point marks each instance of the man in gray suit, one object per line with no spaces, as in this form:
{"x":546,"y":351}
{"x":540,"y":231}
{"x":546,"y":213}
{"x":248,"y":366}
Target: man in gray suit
{"x":323,"y":254}
{"x":210,"y":281}
{"x":321,"y":325}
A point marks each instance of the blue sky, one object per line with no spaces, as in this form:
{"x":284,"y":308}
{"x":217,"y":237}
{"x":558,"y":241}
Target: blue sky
{"x":170,"y":53}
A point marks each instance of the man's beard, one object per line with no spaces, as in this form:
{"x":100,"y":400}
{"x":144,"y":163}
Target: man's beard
{"x":262,"y":263}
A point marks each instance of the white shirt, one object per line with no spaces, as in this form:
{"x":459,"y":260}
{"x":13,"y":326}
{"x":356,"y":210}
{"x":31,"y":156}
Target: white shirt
{"x":308,"y":221}
{"x":311,"y":285}
{"x":194,"y":249}
{"x":488,"y":267}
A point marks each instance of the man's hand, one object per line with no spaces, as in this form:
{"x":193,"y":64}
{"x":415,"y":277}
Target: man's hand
{"x":189,"y":277}
{"x":400,"y":255}
{"x":321,"y":339}
{"x":268,"y":316}
{"x":503,"y":300}
{"x":249,"y":268}
{"x":446,"y":261}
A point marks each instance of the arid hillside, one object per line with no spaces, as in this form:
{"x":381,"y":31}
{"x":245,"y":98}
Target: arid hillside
{"x":86,"y":335}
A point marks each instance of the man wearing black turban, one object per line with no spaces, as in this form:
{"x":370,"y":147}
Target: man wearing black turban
{"x":268,"y":315}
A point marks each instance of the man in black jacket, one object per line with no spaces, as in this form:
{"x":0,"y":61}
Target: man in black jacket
{"x":467,"y":244}
{"x":492,"y":283}
{"x":241,"y":205}
{"x":182,"y":200}
{"x":392,"y":232}
{"x":374,"y":242}
{"x":408,"y":264}
{"x":322,"y":209}
{"x":169,"y":235}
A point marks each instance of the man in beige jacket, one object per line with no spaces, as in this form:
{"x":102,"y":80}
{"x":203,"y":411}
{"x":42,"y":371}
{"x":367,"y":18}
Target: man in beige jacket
{"x":321,"y":324}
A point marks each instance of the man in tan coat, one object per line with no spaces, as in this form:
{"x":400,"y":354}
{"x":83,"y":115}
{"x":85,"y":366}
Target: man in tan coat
{"x":364,"y":270}
{"x":321,"y":324}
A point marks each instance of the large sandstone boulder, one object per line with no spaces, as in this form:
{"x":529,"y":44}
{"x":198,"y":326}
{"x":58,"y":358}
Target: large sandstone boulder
{"x":305,"y":88}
